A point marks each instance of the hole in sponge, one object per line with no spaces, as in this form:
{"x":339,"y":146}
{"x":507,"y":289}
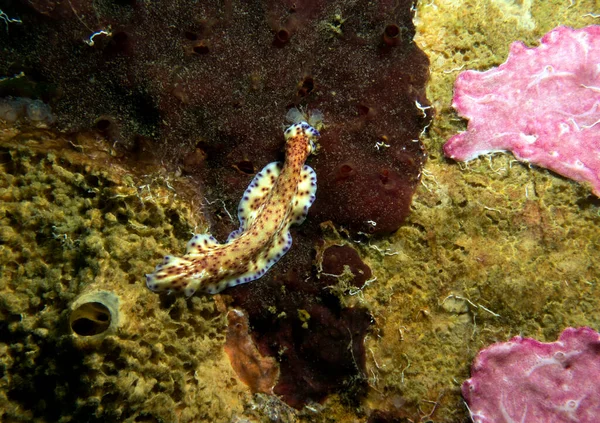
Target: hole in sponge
{"x":103,"y":124}
{"x":93,"y":316}
{"x":392,"y":35}
{"x":90,"y":319}
{"x":282,"y":37}
{"x":201,"y":48}
{"x":306,"y":86}
{"x":245,"y":166}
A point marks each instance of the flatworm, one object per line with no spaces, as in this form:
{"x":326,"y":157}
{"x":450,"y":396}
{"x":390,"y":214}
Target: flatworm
{"x":278,"y":197}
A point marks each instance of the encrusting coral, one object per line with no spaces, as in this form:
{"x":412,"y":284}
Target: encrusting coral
{"x":542,"y":104}
{"x":529,"y":381}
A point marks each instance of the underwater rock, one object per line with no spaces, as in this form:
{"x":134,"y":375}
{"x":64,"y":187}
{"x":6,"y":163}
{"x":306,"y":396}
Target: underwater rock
{"x":527,"y":380}
{"x":542,"y":104}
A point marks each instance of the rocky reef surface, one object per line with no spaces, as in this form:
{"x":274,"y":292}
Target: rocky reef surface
{"x":379,"y":327}
{"x":80,"y":338}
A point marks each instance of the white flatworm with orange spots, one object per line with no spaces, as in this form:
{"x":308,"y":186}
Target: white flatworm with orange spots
{"x":278,"y":196}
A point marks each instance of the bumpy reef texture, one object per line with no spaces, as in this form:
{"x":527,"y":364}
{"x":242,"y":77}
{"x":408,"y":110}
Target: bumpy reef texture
{"x":77,"y":222}
{"x":202,"y":91}
{"x":492,"y":249}
{"x":489,"y":251}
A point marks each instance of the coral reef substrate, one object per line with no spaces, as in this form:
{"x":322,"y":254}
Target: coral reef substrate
{"x":490,"y":251}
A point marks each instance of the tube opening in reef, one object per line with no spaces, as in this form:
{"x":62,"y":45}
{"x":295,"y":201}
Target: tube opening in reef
{"x":90,"y":319}
{"x":94,"y":314}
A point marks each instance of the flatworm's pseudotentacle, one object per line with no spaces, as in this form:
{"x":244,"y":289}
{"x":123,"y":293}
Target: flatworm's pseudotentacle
{"x":278,"y":196}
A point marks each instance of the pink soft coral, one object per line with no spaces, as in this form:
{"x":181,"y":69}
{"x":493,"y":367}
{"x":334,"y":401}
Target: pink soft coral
{"x":524,"y":380}
{"x":543,"y":104}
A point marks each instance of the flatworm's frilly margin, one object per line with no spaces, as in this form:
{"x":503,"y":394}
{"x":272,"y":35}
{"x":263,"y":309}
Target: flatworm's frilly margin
{"x":278,"y":196}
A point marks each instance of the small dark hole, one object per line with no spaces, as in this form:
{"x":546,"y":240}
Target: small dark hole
{"x":363,"y":110}
{"x":201,"y":49}
{"x":391,"y":35}
{"x":392,"y":31}
{"x":306,"y":87}
{"x":83,"y":327}
{"x":103,"y":124}
{"x":192,"y":36}
{"x":92,"y":180}
{"x":245,"y":166}
{"x":283,"y":35}
{"x":122,"y":218}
